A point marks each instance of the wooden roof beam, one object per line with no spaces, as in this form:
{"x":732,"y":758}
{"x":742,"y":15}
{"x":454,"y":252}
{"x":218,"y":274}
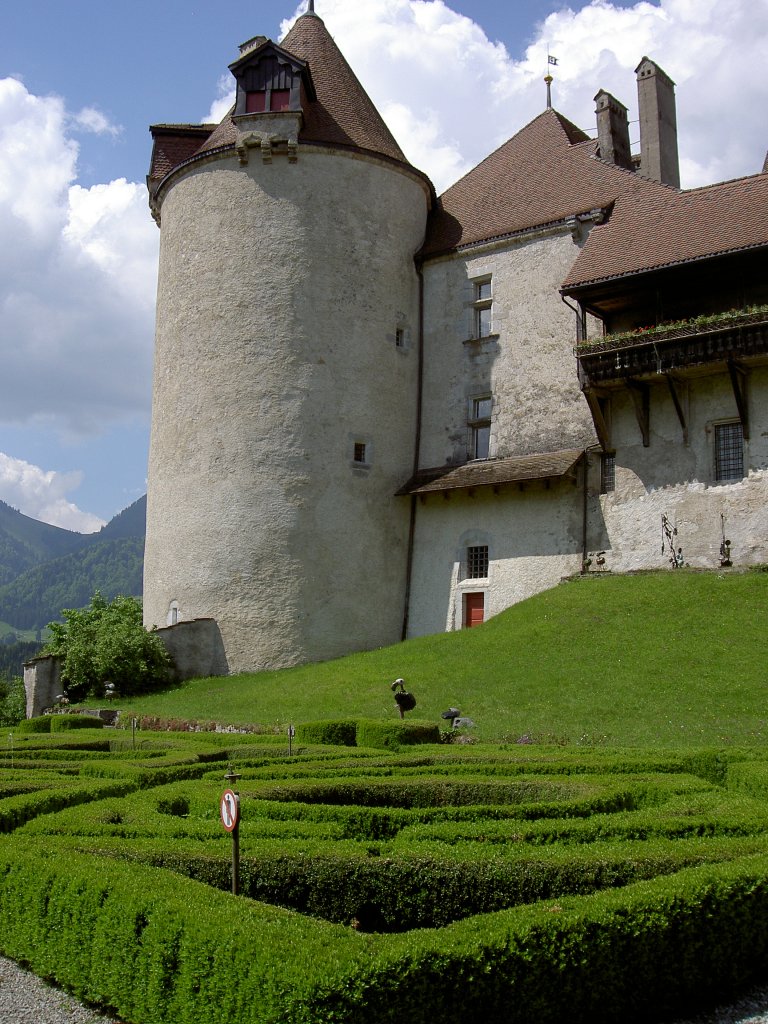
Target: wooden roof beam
{"x":739,"y":377}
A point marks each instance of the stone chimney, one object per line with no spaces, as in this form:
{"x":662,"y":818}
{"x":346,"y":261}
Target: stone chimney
{"x":612,"y":130}
{"x":658,"y":124}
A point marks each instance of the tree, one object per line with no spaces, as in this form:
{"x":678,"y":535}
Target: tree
{"x":13,"y":702}
{"x":107,"y":643}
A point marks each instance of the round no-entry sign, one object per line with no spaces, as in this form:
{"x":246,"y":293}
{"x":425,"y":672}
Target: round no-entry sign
{"x":229,"y":809}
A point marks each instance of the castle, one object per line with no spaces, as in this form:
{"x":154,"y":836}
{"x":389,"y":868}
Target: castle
{"x":379,"y":413}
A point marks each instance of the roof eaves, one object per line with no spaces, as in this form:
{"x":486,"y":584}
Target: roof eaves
{"x":577,"y":286}
{"x":493,"y":472}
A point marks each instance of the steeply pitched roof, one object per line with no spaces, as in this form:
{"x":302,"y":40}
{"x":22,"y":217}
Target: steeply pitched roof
{"x":646,"y":232}
{"x":545,"y":173}
{"x":343,"y":113}
{"x":173,"y":144}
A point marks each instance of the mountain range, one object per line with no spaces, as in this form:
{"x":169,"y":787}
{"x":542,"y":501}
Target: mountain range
{"x":44,"y":569}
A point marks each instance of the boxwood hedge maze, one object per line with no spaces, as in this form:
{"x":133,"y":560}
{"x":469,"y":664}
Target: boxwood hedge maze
{"x":408,"y":883}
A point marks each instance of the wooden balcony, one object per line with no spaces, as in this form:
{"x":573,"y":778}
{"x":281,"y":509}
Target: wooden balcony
{"x":741,"y":338}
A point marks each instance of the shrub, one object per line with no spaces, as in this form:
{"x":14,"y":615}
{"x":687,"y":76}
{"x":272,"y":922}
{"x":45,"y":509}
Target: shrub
{"x":61,"y":723}
{"x":393,"y":735}
{"x":40,"y":724}
{"x":176,"y":806}
{"x":333,"y":733}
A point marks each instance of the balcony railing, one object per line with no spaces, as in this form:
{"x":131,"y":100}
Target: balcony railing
{"x":658,"y":350}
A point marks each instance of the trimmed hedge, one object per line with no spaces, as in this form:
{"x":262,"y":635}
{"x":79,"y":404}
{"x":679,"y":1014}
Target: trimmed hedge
{"x":61,"y":723}
{"x":394,"y":735}
{"x":168,"y":950}
{"x":334,"y":733}
{"x":40,"y":724}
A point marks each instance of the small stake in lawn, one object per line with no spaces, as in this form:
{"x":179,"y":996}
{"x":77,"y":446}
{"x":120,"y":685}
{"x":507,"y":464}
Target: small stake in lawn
{"x":229,"y":809}
{"x":291,"y":734}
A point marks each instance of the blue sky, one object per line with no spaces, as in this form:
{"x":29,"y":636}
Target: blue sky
{"x":80,"y":81}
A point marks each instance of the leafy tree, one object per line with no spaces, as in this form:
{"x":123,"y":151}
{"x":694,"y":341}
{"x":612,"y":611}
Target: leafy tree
{"x":13,"y":702}
{"x":108,"y":643}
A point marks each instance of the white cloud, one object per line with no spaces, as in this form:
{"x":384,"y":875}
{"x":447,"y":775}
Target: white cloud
{"x":223,"y":102}
{"x":42,"y":494}
{"x":77,"y":287}
{"x":90,"y":119}
{"x":472,"y":94}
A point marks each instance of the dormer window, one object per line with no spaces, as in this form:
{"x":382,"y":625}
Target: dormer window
{"x":269,"y":80}
{"x":261,"y":100}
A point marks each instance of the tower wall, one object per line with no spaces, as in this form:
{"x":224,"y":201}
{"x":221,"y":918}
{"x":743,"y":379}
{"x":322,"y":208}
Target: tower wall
{"x":287,"y":304}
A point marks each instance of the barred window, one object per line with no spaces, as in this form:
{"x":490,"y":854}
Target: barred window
{"x":608,"y":473}
{"x":729,"y":451}
{"x":477,"y":562}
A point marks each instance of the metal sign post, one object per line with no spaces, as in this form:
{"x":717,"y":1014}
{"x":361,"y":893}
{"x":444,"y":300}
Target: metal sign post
{"x":291,"y":734}
{"x":229,"y":811}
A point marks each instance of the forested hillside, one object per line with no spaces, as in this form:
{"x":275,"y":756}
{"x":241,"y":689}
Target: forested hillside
{"x":25,"y":542}
{"x":44,"y":569}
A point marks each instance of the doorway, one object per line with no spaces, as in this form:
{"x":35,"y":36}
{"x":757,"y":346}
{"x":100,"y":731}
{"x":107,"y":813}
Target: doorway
{"x":474,"y":609}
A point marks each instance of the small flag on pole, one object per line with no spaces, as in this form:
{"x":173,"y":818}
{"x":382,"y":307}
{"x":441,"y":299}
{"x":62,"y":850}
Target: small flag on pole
{"x":551,"y":60}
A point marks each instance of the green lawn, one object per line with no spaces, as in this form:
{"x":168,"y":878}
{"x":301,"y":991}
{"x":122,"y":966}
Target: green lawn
{"x":654,"y":659}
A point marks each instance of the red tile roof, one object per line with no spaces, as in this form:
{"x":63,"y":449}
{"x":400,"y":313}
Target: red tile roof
{"x":343,"y":113}
{"x":173,"y":144}
{"x":548,"y":172}
{"x":544,"y":174}
{"x":645,"y":232}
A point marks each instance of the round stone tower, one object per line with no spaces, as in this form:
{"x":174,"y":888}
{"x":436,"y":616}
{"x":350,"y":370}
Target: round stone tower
{"x":286,"y":363}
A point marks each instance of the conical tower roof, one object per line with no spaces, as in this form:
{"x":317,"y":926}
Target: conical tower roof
{"x":342,"y":114}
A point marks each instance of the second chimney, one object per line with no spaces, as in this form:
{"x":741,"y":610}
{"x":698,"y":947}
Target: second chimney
{"x":612,"y":130}
{"x":658,"y":124}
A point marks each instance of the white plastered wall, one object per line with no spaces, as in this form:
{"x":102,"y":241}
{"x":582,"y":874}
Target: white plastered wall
{"x":281,"y":288}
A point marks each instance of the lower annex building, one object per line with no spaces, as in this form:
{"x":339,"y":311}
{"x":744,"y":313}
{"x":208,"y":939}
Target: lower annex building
{"x":379,"y":413}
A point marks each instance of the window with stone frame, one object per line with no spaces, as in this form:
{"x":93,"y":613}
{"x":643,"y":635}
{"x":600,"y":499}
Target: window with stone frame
{"x":476,"y":565}
{"x":480,"y":426}
{"x":482,"y":307}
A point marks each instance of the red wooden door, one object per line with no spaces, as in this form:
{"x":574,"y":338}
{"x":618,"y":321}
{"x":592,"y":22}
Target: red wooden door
{"x":474,"y":609}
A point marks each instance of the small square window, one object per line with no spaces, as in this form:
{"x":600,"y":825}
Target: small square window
{"x":729,"y":451}
{"x":358,"y":454}
{"x":477,"y":562}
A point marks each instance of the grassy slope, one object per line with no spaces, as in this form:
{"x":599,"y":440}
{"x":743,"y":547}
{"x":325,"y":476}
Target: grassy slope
{"x":659,"y":659}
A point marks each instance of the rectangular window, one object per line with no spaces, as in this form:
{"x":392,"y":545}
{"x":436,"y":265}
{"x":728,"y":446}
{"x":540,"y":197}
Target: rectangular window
{"x":480,"y":427}
{"x":281,"y":99}
{"x":358,"y":454}
{"x":477,"y":562}
{"x":729,"y":451}
{"x":399,"y":337}
{"x":256,"y":102}
{"x":608,"y":473}
{"x":482,"y":308}
{"x":260,"y":100}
